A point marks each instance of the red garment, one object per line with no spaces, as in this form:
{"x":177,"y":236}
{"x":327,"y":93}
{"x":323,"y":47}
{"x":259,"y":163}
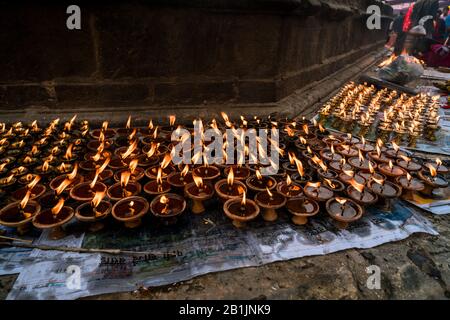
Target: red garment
{"x":434,"y":58}
{"x":407,"y":23}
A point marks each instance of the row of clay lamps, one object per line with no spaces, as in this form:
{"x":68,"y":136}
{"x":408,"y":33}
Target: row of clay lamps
{"x":340,"y":174}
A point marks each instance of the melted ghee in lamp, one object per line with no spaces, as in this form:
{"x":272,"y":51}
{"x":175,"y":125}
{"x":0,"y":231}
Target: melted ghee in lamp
{"x":437,"y":181}
{"x":365,"y":197}
{"x":414,"y":184}
{"x":368,"y":176}
{"x":14,"y":214}
{"x":394,"y":171}
{"x":387,"y":190}
{"x":291,"y":191}
{"x":301,"y":206}
{"x":346,"y":211}
{"x":327,"y":154}
{"x":233,"y":190}
{"x":122,"y":210}
{"x":381,"y":158}
{"x":365,"y":147}
{"x":350,"y":152}
{"x":172,"y":207}
{"x":88,"y":211}
{"x":275,"y":200}
{"x":205,"y":190}
{"x":20,"y":193}
{"x":178,"y":180}
{"x":46,"y":217}
{"x":413,"y":166}
{"x":357,"y":163}
{"x":321,"y":193}
{"x":206,"y":172}
{"x":338,"y":166}
{"x":155,"y":187}
{"x":85,"y":191}
{"x":239,"y":172}
{"x":117,"y":191}
{"x":261,"y":183}
{"x":242,"y":210}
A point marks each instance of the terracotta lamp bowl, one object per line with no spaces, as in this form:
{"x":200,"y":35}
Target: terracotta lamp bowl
{"x":351,"y":213}
{"x":11,"y":217}
{"x":270,"y":204}
{"x":431,"y":183}
{"x":207,"y":173}
{"x":226,"y":192}
{"x":301,"y":209}
{"x":103,"y":177}
{"x":37,"y":191}
{"x":56,"y":182}
{"x":240,"y":214}
{"x":385,"y":193}
{"x":83,"y":192}
{"x":85,"y":213}
{"x":109,"y":133}
{"x":289,"y":191}
{"x":137,"y":175}
{"x":410,"y":187}
{"x":116,"y":192}
{"x":176,"y":180}
{"x":153,"y":188}
{"x":152,"y":172}
{"x":364,"y":199}
{"x":47,"y":220}
{"x":240,"y":173}
{"x":198,"y":196}
{"x":321,"y":194}
{"x":257,"y":185}
{"x":121,"y":211}
{"x":168,"y":212}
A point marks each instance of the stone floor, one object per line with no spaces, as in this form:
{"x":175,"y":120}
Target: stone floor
{"x":415,"y":268}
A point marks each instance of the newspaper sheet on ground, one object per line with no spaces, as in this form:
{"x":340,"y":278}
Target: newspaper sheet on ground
{"x":198,"y":245}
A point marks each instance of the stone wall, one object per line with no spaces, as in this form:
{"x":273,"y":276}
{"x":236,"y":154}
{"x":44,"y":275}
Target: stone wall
{"x":176,"y":52}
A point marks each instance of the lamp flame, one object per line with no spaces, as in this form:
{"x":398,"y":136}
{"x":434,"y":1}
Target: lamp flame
{"x":166,"y":161}
{"x":98,"y":197}
{"x":358,"y":186}
{"x":230,"y":178}
{"x":244,"y":199}
{"x":341,"y":201}
{"x":198,"y":181}
{"x":128,"y":125}
{"x":432,"y":169}
{"x":133,"y":165}
{"x":124,"y":178}
{"x":330,"y":183}
{"x":268,"y":192}
{"x":25,"y":200}
{"x":63,"y":186}
{"x":94,"y":181}
{"x":185,"y":171}
{"x":130,"y":149}
{"x":172,"y":119}
{"x":73,"y":174}
{"x":33,"y":183}
{"x":258,"y":174}
{"x":57,"y":208}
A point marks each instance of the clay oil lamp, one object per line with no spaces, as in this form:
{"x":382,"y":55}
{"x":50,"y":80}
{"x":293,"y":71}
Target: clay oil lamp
{"x":307,"y":154}
{"x":207,"y":172}
{"x":54,"y":219}
{"x":432,"y":180}
{"x":28,"y":161}
{"x":241,"y":211}
{"x":386,"y":191}
{"x":290,"y":167}
{"x":361,"y":163}
{"x":259,"y":183}
{"x":330,"y":154}
{"x":410,"y":186}
{"x":289,"y":189}
{"x":270,"y":201}
{"x":301,"y":144}
{"x":379,"y":156}
{"x":347,"y":175}
{"x":395,"y":151}
{"x":198,"y":192}
{"x":171,"y":127}
{"x":339,"y":166}
{"x":347,"y":151}
{"x":407,"y":164}
{"x":179,"y":180}
{"x":26,"y":179}
{"x":360,"y":194}
{"x":93,"y":145}
{"x":130,"y":211}
{"x":36,"y":190}
{"x":3,"y":169}
{"x":325,"y":173}
{"x":364,"y":146}
{"x":166,"y":168}
{"x":19,"y":171}
{"x":64,"y":168}
{"x":34,"y":152}
{"x":85,"y":191}
{"x":349,"y":139}
{"x":104,"y":174}
{"x":51,"y":198}
{"x":391,"y":171}
{"x":73,"y":176}
{"x":19,"y":214}
{"x":343,"y":211}
{"x":372,"y":173}
{"x":94,"y":212}
{"x":131,"y":151}
{"x":229,"y":188}
{"x":240,"y":173}
{"x":167,"y":207}
{"x":302,"y":209}
{"x":307,"y":134}
{"x":68,"y":155}
{"x":334,"y":185}
{"x":149,"y":158}
{"x":125,"y":188}
{"x":331,"y":140}
{"x":300,"y":178}
{"x":44,"y":170}
{"x":440,"y":168}
{"x":7,"y":182}
{"x":16,"y":148}
{"x":317,"y":192}
{"x":158,"y":186}
{"x":136,"y":172}
{"x":108,"y":133}
{"x":321,"y":132}
{"x":127,"y":130}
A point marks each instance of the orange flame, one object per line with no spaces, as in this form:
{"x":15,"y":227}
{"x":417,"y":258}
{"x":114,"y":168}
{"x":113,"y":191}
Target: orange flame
{"x":133,"y":165}
{"x":104,"y":165}
{"x":128,"y":125}
{"x":305,"y":129}
{"x":438,"y":162}
{"x":391,"y":165}
{"x":166,"y":161}
{"x":313,"y":184}
{"x":185,"y":171}
{"x":288,"y":180}
{"x":159,"y":176}
{"x":244,"y":198}
{"x":45,"y":166}
{"x":130,"y":149}
{"x":395,"y":146}
{"x":57,"y":208}
{"x":164,"y":199}
{"x":73,"y":174}
{"x":302,"y":140}
{"x":330,"y":183}
{"x":99,"y":195}
{"x":124,"y":178}
{"x":349,"y":173}
{"x":33,"y":183}
{"x":268,"y":192}
{"x":258,"y":174}
{"x":94,"y":181}
{"x":433,"y":171}
{"x":341,"y":201}
{"x":408,"y":176}
{"x":360,"y":156}
{"x":25,"y":200}
{"x":63,"y":186}
{"x":300,"y":168}
{"x":198,"y":181}
{"x":379,"y":181}
{"x":68,"y":154}
{"x":105,"y":125}
{"x":371,"y":169}
{"x":172,"y":119}
{"x":357,"y":186}
{"x":230,"y":178}
{"x":150,"y":124}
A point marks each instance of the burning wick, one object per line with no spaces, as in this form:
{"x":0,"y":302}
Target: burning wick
{"x":343,"y":203}
{"x":433,"y":173}
{"x":409,"y":178}
{"x":99,"y":195}
{"x":315,"y":187}
{"x":270,"y":194}
{"x":57,"y":208}
{"x":23,"y":205}
{"x":396,"y":148}
{"x":358,"y":187}
{"x":198,"y":182}
{"x":124,"y":179}
{"x":130,"y":207}
{"x":380,"y":182}
{"x":230,"y":180}
{"x":438,"y":163}
{"x":164,"y":200}
{"x":391,"y":166}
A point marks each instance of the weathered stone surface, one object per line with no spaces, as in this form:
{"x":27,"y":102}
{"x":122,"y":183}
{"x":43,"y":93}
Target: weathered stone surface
{"x":14,"y":96}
